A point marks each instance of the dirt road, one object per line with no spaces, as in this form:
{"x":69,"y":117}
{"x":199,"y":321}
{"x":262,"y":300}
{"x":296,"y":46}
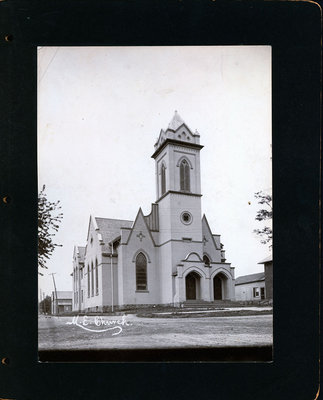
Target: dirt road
{"x":132,"y":332}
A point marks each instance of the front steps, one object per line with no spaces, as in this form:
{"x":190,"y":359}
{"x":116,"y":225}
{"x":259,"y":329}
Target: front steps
{"x":207,"y":304}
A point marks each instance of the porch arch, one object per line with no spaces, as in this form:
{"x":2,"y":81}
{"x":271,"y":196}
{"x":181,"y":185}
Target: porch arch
{"x":193,"y":286}
{"x":198,"y":270}
{"x":221,"y":286}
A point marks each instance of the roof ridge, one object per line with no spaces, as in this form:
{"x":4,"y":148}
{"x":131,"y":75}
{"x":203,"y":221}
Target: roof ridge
{"x":114,"y":219}
{"x":255,"y":273}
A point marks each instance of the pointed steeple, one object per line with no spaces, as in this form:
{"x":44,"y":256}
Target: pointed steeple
{"x":176,"y":122}
{"x":172,"y":133}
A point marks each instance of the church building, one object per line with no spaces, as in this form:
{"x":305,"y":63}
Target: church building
{"x":168,"y":257}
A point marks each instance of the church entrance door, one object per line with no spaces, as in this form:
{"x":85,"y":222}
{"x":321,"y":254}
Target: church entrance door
{"x":217,"y":286}
{"x":192,"y":281}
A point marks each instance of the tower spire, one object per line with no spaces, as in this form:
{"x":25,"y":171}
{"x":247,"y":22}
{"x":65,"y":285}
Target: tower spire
{"x":176,"y":122}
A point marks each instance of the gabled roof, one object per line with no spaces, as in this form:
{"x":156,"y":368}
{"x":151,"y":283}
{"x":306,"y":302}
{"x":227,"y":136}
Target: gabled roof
{"x":250,"y":278}
{"x":63,"y":294}
{"x":265,"y":260}
{"x":110,"y":228}
{"x":215,"y":238}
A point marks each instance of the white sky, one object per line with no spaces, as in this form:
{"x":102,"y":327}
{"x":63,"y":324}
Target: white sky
{"x":100,"y":110}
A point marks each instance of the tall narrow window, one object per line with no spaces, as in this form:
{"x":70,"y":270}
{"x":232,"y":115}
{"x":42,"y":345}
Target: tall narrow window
{"x":185,"y":175}
{"x":163,"y":179}
{"x":141,"y":272}
{"x":88,"y":280}
{"x":96,"y":278}
{"x":92,"y":280}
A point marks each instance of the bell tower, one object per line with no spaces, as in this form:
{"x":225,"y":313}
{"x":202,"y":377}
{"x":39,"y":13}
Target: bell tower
{"x":178,"y":182}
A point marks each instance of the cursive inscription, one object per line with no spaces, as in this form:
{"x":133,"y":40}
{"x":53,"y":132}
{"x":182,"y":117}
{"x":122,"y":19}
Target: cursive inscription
{"x":85,"y":323}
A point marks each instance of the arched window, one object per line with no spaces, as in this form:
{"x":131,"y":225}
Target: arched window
{"x":141,"y":272}
{"x":206,"y":260}
{"x":96,"y":278}
{"x":92,"y":280}
{"x":185,"y":175}
{"x":163,"y":179}
{"x":88,"y":280}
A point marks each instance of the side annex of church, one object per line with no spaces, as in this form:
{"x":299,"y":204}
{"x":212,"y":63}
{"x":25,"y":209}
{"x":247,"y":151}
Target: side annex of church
{"x":168,"y":257}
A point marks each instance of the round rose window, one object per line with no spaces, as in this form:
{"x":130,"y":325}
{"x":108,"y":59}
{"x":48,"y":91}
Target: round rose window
{"x":186,"y":217}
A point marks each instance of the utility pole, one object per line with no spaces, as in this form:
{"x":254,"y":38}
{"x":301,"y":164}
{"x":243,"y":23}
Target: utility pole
{"x":111,"y":255}
{"x":52,"y":274}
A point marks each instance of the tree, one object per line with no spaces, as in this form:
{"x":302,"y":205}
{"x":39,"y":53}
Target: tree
{"x":45,"y":305}
{"x":49,"y":218}
{"x":264,"y":214}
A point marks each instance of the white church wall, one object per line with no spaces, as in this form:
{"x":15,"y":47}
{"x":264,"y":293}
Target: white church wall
{"x":139,"y":241}
{"x":120,"y":271}
{"x":94,"y":253}
{"x":178,"y":204}
{"x":164,"y":220}
{"x":106,"y":281}
{"x":165,"y":273}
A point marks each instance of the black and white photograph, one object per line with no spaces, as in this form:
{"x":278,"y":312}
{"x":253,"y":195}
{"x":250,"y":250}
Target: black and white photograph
{"x":154,"y":198}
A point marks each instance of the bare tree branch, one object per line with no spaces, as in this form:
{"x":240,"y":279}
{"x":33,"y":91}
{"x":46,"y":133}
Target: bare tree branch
{"x":263,"y":214}
{"x":49,"y":218}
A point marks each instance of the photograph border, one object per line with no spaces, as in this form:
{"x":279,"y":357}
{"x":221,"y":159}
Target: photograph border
{"x":293,"y":29}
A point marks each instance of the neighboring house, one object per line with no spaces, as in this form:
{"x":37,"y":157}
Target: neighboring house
{"x":250,"y":287}
{"x":61,"y":302}
{"x":167,"y":257}
{"x":268,"y":267}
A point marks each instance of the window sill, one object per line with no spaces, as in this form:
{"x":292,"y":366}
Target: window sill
{"x":142,"y":291}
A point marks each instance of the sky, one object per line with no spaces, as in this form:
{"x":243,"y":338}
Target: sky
{"x":100,"y":111}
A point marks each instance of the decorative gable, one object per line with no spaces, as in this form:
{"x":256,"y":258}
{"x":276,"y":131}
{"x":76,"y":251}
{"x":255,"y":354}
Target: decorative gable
{"x":140,"y":233}
{"x":193,"y":257}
